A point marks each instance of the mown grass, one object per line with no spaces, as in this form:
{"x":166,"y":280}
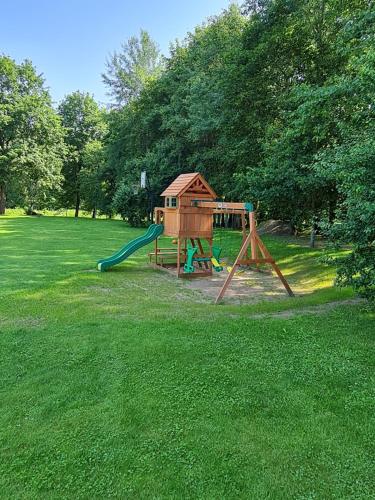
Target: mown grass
{"x":126,"y":384}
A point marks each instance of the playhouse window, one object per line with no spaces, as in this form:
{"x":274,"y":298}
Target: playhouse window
{"x":171,"y":202}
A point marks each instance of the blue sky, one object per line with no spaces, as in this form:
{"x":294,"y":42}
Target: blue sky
{"x":68,"y":41}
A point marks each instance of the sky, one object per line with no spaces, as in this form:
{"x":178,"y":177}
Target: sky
{"x":69,"y":40}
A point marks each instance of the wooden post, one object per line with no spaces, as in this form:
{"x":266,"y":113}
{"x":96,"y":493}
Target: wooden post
{"x":157,"y":221}
{"x":244,"y":235}
{"x":210,"y":263}
{"x":254,"y":240}
{"x":185,"y":248}
{"x":192,"y":242}
{"x":252,"y":232}
{"x":243,"y":223}
{"x":178,"y":256}
{"x":201,"y":251}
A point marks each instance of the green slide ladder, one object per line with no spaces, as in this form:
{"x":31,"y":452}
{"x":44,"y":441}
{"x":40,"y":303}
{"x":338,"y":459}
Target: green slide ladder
{"x":153,"y":232}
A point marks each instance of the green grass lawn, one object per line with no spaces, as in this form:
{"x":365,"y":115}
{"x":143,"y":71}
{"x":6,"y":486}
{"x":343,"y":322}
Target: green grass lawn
{"x":126,"y":385}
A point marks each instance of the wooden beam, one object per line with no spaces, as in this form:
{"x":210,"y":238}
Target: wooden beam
{"x":243,"y":224}
{"x":178,"y":257}
{"x":219,"y":205}
{"x":160,"y":249}
{"x":253,"y":231}
{"x":200,"y":246}
{"x":233,"y":211}
{"x":165,"y":252}
{"x":192,"y":243}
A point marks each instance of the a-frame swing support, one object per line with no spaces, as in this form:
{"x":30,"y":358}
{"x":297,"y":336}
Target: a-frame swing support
{"x":254,"y":242}
{"x":251,"y":242}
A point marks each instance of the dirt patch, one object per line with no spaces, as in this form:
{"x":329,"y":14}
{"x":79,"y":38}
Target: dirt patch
{"x":308,"y":310}
{"x":245,"y":287}
{"x":27,"y":322}
{"x":275,"y":227}
{"x":98,"y":289}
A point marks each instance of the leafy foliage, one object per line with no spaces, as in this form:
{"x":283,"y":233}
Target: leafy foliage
{"x":129,"y":70}
{"x":350,"y":164}
{"x":83,"y":122}
{"x":91,"y":177}
{"x":176,"y":123}
{"x":31,"y":138}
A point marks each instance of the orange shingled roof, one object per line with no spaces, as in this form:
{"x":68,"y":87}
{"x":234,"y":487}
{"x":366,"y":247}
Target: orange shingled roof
{"x":183,"y":182}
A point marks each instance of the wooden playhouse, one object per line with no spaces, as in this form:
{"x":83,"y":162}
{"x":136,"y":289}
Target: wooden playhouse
{"x":189,"y":223}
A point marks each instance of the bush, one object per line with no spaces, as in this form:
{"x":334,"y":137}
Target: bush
{"x":131,"y":204}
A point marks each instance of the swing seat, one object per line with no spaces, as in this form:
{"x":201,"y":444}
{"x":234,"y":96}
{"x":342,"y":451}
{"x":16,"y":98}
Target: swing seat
{"x":216,"y":251}
{"x":215,"y":259}
{"x":218,"y":268}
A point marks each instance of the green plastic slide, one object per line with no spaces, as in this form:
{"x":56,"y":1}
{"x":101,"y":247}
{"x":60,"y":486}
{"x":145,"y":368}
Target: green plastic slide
{"x":153,"y":232}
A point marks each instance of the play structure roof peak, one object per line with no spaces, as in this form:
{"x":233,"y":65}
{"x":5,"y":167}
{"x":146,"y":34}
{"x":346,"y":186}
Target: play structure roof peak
{"x":193,"y":182}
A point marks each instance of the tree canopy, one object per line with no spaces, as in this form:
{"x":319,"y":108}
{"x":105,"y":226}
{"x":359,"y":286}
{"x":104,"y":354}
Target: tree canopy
{"x":31,"y":137}
{"x":83,"y":122}
{"x":130,"y":69}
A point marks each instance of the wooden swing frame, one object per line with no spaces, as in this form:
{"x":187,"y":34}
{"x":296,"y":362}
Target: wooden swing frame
{"x":256,"y":245}
{"x":251,"y":244}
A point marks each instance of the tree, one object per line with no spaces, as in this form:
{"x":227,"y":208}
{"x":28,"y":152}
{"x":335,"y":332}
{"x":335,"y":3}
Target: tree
{"x":349,"y":100}
{"x":92,"y":180}
{"x":31,"y":139}
{"x":129,"y":70}
{"x":176,"y":123}
{"x":84,"y":122}
{"x":290,"y":47}
{"x":319,"y":153}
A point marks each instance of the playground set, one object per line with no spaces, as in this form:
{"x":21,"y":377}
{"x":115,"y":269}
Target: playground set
{"x":187,"y":215}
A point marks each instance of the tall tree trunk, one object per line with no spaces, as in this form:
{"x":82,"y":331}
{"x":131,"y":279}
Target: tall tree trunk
{"x":78,"y":202}
{"x":2,"y":200}
{"x":226,"y":221}
{"x":331,"y":210}
{"x":314,"y":228}
{"x":94,"y":213}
